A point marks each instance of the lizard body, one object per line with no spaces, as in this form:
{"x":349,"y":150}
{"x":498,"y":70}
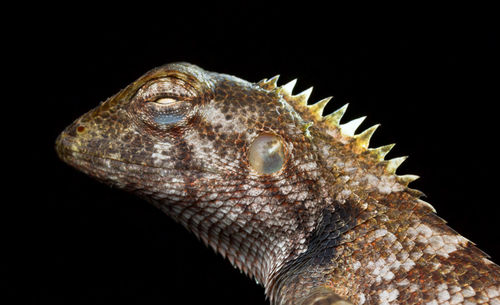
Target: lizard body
{"x":294,"y":199}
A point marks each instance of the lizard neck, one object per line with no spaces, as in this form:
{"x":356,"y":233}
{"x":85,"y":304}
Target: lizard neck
{"x":259,"y":244}
{"x":306,"y":271}
{"x":395,"y":250}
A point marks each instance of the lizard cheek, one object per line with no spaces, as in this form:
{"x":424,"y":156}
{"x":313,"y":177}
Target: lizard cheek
{"x":266,"y":154}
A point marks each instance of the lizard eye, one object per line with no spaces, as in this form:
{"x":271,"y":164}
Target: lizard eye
{"x":266,"y":154}
{"x":164,"y":102}
{"x":167,"y":110}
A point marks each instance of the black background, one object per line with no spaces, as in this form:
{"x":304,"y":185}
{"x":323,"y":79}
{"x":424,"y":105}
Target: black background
{"x":430,"y":80}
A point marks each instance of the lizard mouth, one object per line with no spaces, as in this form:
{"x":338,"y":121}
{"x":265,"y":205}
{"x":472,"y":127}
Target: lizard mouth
{"x":141,"y":179}
{"x":71,"y":152}
{"x":113,"y":170}
{"x":95,"y":165}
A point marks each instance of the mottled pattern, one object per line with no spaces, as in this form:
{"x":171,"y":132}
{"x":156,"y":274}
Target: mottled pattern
{"x":323,"y":219}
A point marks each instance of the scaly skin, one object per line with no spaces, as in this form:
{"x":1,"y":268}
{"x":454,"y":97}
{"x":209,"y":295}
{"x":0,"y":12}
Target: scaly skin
{"x":316,"y":217}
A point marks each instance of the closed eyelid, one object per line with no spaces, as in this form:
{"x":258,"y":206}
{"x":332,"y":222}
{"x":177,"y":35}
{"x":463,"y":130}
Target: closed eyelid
{"x":168,"y":118}
{"x":166,"y":101}
{"x":171,"y":86}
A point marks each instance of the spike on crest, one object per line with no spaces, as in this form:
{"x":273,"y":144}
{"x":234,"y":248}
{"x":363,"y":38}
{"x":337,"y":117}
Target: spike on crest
{"x":302,"y":98}
{"x":407,"y":179}
{"x":273,"y":81}
{"x":318,"y":107}
{"x":415,"y":193}
{"x":426,"y":205}
{"x":269,"y":84}
{"x":382,"y":151}
{"x":334,"y":118}
{"x":363,"y":139}
{"x":288,"y":88}
{"x":349,"y":128}
{"x":393,"y":164}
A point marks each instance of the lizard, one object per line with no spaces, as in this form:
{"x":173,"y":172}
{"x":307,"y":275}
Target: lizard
{"x":295,"y":199}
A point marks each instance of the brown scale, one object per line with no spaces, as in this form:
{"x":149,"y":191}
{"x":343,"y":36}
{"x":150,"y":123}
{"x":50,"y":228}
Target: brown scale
{"x":314,"y":215}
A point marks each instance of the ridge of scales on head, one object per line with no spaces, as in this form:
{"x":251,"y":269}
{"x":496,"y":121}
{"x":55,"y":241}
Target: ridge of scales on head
{"x":294,"y":199}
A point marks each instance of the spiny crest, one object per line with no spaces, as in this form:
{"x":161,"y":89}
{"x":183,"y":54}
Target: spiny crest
{"x":269,"y":84}
{"x":314,"y":114}
{"x":363,"y":139}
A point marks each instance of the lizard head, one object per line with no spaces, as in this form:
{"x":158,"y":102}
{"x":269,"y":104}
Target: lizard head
{"x":244,"y":166}
{"x":217,"y":153}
